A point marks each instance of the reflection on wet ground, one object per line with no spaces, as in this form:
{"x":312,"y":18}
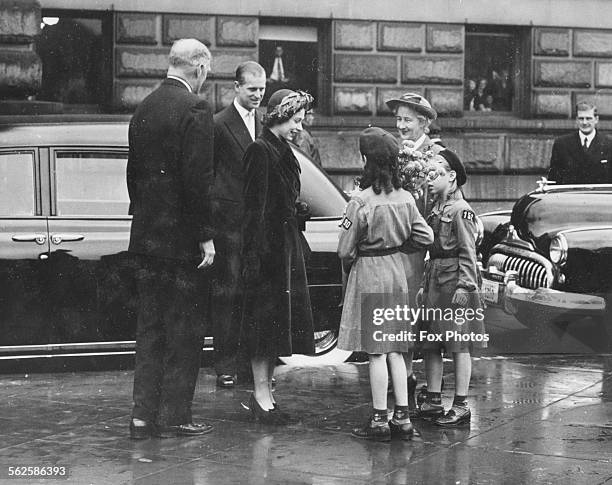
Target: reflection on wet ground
{"x":535,"y":419}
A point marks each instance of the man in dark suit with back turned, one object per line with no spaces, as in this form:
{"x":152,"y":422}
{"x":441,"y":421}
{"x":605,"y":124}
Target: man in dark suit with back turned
{"x":236,"y":127}
{"x":582,"y":157}
{"x":169,"y":174}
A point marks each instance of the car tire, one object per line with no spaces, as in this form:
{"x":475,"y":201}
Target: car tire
{"x":326,"y":352}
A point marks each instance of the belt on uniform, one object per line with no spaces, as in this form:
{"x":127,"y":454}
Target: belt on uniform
{"x":444,"y":253}
{"x":377,"y":252}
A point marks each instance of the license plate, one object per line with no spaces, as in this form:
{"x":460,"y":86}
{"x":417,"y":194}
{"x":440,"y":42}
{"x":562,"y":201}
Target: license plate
{"x":490,"y":291}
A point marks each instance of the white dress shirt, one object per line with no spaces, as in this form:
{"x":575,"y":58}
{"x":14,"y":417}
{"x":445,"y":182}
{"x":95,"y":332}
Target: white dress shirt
{"x":185,"y":83}
{"x":247,"y":116}
{"x":278,"y":73}
{"x":589,"y":138}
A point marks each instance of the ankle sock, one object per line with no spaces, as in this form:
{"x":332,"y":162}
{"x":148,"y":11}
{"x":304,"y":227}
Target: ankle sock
{"x":460,"y":401}
{"x":379,"y":415}
{"x":401,"y":412}
{"x":434,"y":397}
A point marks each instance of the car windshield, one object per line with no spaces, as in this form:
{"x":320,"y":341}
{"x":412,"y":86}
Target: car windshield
{"x":323,"y":197}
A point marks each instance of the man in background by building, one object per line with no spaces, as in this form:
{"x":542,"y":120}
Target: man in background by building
{"x":278,"y":74}
{"x":236,"y":127}
{"x":582,"y":157}
{"x":280,"y":69}
{"x":169,"y":173}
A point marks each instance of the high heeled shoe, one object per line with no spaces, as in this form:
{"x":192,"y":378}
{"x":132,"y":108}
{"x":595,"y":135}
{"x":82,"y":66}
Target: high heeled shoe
{"x":412,"y":406}
{"x":262,"y":416}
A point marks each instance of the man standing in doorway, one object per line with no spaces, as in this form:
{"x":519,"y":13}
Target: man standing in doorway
{"x":169,"y":174}
{"x":278,"y":74}
{"x":236,"y":127}
{"x":585,"y":156}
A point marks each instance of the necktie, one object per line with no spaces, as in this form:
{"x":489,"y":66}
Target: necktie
{"x":250,"y":123}
{"x":585,"y":145}
{"x":278,"y":71}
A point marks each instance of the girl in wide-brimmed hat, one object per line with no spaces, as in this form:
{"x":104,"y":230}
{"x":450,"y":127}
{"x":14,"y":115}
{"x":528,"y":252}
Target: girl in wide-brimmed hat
{"x":413,"y":118}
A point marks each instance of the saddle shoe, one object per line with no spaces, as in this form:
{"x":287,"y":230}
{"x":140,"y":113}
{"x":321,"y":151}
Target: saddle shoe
{"x":429,"y":410}
{"x":376,"y":429}
{"x":456,"y":416}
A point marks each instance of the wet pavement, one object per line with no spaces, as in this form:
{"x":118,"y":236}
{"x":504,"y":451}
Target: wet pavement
{"x":536,"y":419}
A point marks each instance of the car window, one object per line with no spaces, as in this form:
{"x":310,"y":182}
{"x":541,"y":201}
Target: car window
{"x":91,"y":183}
{"x":17,"y":184}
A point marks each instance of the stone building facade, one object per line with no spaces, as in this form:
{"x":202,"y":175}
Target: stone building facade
{"x":369,"y":52}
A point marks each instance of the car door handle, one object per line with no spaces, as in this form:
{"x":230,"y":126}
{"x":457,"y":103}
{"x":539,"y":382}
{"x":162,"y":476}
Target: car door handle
{"x":37,"y":238}
{"x":66,"y":237}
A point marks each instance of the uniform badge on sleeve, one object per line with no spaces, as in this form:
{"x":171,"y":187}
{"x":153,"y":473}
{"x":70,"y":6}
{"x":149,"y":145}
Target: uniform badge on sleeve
{"x":469,"y":215}
{"x":346,"y":223}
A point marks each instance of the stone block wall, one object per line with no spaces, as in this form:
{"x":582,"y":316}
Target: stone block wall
{"x":142,"y":43}
{"x":502,"y":164}
{"x":570,"y":65}
{"x":374,"y":61}
{"x":20,"y":66}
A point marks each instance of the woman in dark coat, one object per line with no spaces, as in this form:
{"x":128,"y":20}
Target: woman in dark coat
{"x":277,"y":317}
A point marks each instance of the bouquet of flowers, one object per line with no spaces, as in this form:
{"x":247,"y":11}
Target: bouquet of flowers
{"x":414,"y":166}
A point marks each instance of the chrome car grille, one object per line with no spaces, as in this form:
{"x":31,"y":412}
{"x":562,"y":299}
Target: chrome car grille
{"x":532,"y":274}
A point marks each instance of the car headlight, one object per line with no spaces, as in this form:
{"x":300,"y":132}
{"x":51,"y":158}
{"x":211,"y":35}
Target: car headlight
{"x":558,"y":249}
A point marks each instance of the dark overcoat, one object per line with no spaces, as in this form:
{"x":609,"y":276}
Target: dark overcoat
{"x":277,"y":316}
{"x":232,"y":138}
{"x":570,"y":163}
{"x":169,"y":174}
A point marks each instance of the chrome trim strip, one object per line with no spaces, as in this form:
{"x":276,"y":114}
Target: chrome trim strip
{"x":121,"y":344}
{"x":587,"y":228}
{"x":57,"y":349}
{"x":497,"y":213}
{"x":82,"y":354}
{"x":585,"y":187}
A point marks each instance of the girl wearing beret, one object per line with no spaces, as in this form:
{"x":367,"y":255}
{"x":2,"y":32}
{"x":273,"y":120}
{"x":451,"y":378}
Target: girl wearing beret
{"x":277,"y":316}
{"x":450,"y":291}
{"x":378,"y":221}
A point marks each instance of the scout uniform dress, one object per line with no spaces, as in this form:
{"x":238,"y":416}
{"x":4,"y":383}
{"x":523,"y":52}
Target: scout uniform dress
{"x":452,"y":265}
{"x":372,"y":231}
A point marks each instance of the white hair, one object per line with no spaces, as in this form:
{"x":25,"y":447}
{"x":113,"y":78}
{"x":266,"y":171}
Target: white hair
{"x":189,"y":52}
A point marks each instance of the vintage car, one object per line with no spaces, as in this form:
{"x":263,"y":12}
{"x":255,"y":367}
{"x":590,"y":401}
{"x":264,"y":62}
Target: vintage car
{"x":66,"y":279}
{"x":548,"y":262}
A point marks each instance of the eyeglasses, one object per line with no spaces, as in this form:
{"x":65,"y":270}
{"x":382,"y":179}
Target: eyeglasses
{"x":434,"y":173}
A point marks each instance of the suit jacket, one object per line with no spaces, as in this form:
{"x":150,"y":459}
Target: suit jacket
{"x":169,"y":173}
{"x":571,"y":164}
{"x":231,"y":141}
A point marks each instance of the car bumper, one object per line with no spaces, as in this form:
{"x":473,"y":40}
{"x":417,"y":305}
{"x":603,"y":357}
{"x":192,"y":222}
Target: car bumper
{"x":541,"y":306}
